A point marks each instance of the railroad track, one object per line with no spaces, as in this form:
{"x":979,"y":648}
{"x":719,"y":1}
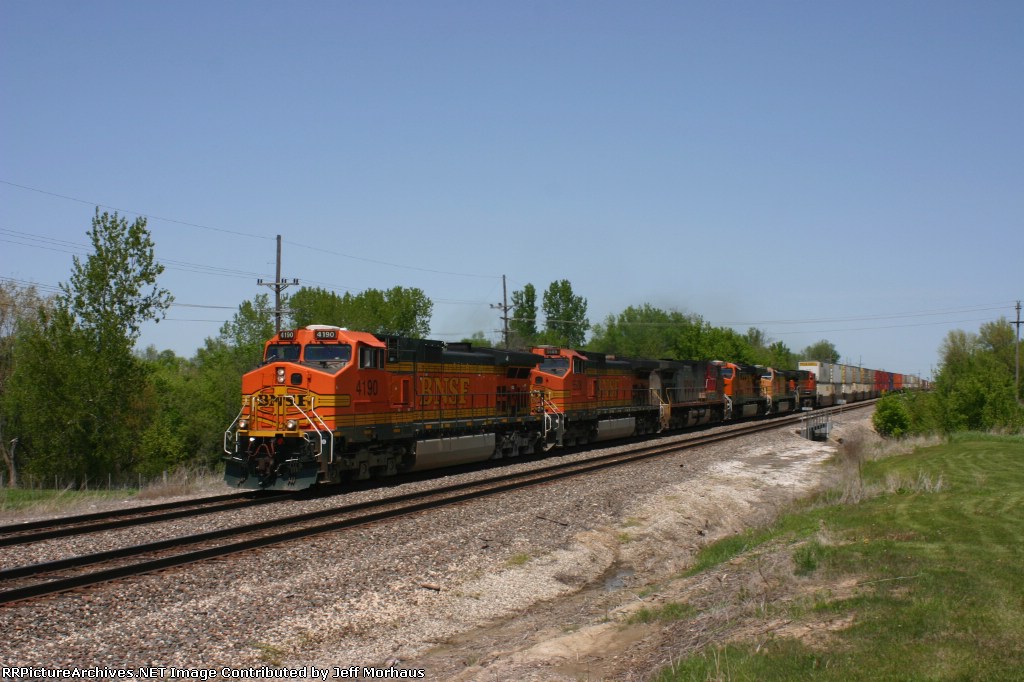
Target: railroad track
{"x":37,"y":580}
{"x":36,"y":531}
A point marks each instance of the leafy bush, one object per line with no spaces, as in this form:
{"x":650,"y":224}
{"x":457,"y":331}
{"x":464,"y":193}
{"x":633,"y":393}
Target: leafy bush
{"x":891,"y":418}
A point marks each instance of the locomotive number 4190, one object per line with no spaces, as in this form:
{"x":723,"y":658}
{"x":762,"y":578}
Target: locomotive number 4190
{"x":368,"y":387}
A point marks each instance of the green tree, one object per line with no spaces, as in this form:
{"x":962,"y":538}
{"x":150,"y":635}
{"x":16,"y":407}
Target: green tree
{"x":47,"y":360}
{"x":998,"y":339}
{"x":247,"y":331}
{"x":19,"y":306}
{"x":523,"y":325}
{"x":820,"y":351}
{"x":115,"y":290}
{"x":166,"y":441}
{"x":723,"y":343}
{"x":82,"y":352}
{"x":780,"y":357}
{"x":757,"y":339}
{"x":566,"y":321}
{"x":399,"y":311}
{"x":402,"y":311}
{"x":315,"y":306}
{"x":974,"y":386}
{"x":648,"y":332}
{"x":763,"y":350}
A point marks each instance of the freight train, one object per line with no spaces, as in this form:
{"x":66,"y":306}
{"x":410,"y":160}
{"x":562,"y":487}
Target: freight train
{"x":329,"y":405}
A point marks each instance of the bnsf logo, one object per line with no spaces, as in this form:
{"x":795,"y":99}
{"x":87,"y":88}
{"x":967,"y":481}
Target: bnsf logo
{"x":268,"y":400}
{"x":450,"y":391}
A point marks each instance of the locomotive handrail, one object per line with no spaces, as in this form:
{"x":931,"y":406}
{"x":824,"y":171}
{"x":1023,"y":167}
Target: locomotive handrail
{"x":554,"y":418}
{"x":238,"y":416}
{"x":319,"y":433}
{"x":546,"y":402}
{"x":664,"y":409}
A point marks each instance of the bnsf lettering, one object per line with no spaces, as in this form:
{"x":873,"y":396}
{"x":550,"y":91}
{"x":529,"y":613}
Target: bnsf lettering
{"x":450,"y":390}
{"x":267,"y":400}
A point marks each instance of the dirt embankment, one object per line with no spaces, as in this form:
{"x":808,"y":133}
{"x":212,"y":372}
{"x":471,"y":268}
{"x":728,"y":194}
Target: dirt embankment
{"x":616,"y":580}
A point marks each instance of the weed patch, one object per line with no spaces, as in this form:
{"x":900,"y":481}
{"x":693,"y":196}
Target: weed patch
{"x":668,"y":612}
{"x":518,"y":559}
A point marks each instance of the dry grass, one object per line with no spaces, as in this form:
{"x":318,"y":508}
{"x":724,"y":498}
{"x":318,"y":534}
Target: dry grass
{"x":181,"y":484}
{"x":855,"y":450}
{"x":20,"y":504}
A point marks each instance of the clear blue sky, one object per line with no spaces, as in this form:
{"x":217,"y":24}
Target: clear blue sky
{"x":851,"y":171}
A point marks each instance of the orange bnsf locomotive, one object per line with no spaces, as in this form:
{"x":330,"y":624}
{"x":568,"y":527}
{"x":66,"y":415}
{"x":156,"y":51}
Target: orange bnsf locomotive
{"x":329,"y":405}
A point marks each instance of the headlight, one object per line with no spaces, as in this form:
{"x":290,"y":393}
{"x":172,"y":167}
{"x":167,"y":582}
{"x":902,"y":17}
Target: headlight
{"x":280,"y":375}
{"x":291,"y":425}
{"x":243,"y":424}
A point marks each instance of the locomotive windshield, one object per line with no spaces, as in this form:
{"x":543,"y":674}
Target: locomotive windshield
{"x":287,"y":352}
{"x":333,"y":352}
{"x":556,"y":366}
{"x":727,"y":372}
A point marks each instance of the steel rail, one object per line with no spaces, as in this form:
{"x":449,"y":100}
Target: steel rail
{"x":450,"y":495}
{"x":420,"y":501}
{"x":113,"y":513}
{"x":122,"y":518}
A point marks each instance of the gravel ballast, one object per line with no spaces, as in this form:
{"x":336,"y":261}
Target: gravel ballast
{"x":471,"y":591}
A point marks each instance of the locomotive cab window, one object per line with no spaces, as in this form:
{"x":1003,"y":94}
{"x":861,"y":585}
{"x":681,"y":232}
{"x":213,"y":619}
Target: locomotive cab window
{"x":328,"y":352}
{"x":727,"y":372}
{"x":556,"y":366}
{"x":282,"y":352}
{"x":371,"y":358}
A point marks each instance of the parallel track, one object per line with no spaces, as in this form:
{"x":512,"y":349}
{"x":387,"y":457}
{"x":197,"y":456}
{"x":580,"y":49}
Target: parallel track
{"x":36,"y":531}
{"x":155,"y":556}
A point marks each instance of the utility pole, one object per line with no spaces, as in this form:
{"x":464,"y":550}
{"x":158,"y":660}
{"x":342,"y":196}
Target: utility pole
{"x":1016,"y":370}
{"x":278,"y":285}
{"x":503,"y":307}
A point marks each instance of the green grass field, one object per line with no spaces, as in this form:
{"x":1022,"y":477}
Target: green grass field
{"x":48,"y":500}
{"x":937,"y":559}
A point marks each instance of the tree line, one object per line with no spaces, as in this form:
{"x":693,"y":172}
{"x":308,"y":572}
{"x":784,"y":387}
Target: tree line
{"x":974,"y":388}
{"x":79,"y":402}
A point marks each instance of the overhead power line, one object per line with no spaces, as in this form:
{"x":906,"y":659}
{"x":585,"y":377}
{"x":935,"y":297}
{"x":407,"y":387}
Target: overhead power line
{"x":985,"y":307}
{"x":890,"y":326}
{"x":149,"y":216}
{"x":318,"y":248}
{"x":75,"y":249}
